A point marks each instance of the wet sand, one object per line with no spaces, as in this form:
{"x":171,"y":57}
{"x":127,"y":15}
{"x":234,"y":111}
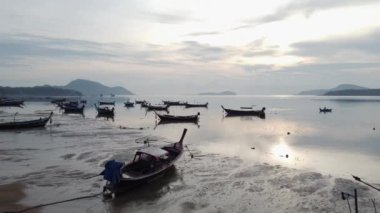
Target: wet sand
{"x":10,"y":195}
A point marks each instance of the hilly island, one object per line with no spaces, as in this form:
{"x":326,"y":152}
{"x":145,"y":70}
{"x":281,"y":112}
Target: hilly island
{"x":344,"y":90}
{"x":77,"y":87}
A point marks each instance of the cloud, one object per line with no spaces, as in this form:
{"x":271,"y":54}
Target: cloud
{"x":258,"y":68}
{"x":368,"y":44}
{"x":203,"y":33}
{"x":169,"y":18}
{"x":304,"y":7}
{"x":195,"y":51}
{"x":21,"y":46}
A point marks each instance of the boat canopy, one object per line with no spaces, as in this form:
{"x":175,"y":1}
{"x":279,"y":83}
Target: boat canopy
{"x":153,"y":151}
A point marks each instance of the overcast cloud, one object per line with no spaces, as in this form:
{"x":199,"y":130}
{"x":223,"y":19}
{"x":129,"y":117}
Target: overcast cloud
{"x":152,"y":46}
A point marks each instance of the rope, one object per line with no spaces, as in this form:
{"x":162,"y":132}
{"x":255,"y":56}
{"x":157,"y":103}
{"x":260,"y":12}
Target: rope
{"x":360,"y":180}
{"x":53,"y":203}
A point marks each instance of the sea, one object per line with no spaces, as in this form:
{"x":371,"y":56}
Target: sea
{"x":296,"y":159}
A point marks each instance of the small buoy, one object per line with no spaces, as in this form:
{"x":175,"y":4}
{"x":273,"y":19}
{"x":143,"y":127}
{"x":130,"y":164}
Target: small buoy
{"x":374,"y":128}
{"x":286,"y":155}
{"x":288,"y":133}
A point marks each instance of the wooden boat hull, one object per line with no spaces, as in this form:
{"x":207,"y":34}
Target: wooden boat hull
{"x":74,"y":110}
{"x":26,"y":124}
{"x":129,"y":104}
{"x":106,"y":103}
{"x":157,"y":108}
{"x":187,"y":105}
{"x":105,"y":112}
{"x":139,"y":102}
{"x":129,"y":182}
{"x":11,"y":103}
{"x":232,"y":112}
{"x":126,"y":185}
{"x":171,"y":118}
{"x":325,"y":110}
{"x":174,"y":103}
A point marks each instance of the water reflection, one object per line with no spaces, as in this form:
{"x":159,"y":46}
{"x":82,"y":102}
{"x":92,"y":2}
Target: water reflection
{"x":175,"y":123}
{"x":341,"y":143}
{"x":282,"y":149}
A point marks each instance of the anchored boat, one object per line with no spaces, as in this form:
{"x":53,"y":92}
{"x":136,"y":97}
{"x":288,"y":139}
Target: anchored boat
{"x":147,"y":164}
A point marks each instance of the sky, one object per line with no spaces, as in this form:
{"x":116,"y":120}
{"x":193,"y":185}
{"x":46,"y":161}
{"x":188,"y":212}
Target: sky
{"x":170,"y":47}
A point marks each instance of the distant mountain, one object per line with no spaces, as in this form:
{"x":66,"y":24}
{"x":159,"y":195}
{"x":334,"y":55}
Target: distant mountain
{"x":218,"y":93}
{"x":324,"y":91}
{"x":87,"y":87}
{"x":354,"y":92}
{"x":37,"y":91}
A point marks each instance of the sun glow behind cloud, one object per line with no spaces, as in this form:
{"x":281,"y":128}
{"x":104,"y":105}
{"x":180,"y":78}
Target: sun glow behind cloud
{"x":217,"y":39}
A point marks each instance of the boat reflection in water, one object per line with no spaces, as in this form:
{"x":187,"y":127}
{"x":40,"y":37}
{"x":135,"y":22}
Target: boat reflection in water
{"x":245,"y":112}
{"x":163,"y":122}
{"x":105,"y":117}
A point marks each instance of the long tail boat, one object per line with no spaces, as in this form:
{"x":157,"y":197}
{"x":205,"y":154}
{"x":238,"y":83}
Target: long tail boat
{"x":139,"y":101}
{"x":41,"y":122}
{"x":106,"y":103}
{"x":157,"y":107}
{"x":174,"y":103}
{"x":178,"y":118}
{"x":235,"y":112}
{"x":9,"y":103}
{"x":325,"y":110}
{"x":73,"y":108}
{"x":105,"y":111}
{"x":148,"y":164}
{"x":129,"y":104}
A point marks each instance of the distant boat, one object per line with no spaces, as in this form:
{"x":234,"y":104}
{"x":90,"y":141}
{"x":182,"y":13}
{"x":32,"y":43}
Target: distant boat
{"x":74,"y":108}
{"x":72,"y":104}
{"x":58,"y":100}
{"x":158,"y":107}
{"x":26,"y":124}
{"x":5,"y":102}
{"x":187,"y":105}
{"x":234,"y":112}
{"x":145,"y":104}
{"x":139,"y":101}
{"x":178,"y":118}
{"x":106,"y":102}
{"x":129,"y":104}
{"x":148,"y":164}
{"x":174,"y":103}
{"x":105,"y":111}
{"x":325,"y":110}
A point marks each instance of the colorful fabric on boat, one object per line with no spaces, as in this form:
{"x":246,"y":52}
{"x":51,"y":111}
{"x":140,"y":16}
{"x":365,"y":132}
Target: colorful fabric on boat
{"x":112,"y":171}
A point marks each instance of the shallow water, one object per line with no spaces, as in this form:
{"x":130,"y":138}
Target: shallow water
{"x":295,"y":160}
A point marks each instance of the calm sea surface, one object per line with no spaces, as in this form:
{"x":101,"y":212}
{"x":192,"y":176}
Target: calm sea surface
{"x":294,"y":160}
